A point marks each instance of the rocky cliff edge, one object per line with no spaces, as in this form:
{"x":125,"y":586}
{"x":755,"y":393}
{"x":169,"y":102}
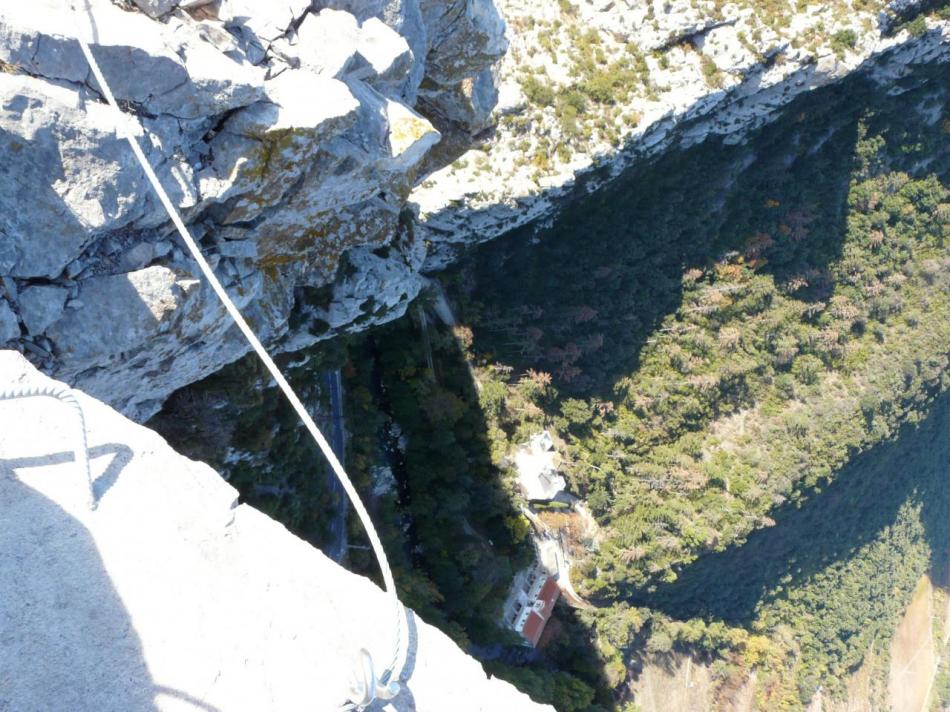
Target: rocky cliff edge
{"x":171,"y":596}
{"x":286,"y":133}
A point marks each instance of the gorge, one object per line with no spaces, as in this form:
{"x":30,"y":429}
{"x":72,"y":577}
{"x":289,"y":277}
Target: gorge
{"x":696,"y":334}
{"x":714,"y":266}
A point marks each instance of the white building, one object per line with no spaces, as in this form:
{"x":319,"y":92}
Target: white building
{"x":537,"y":464}
{"x":531,"y":603}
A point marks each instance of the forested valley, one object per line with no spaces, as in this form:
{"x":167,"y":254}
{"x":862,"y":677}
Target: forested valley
{"x":742,"y":351}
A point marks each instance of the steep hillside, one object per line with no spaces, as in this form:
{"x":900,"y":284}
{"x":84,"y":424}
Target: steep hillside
{"x":588,"y":88}
{"x":742,"y":351}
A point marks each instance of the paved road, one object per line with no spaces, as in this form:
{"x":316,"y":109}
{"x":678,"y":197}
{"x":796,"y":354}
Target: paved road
{"x":337,"y":547}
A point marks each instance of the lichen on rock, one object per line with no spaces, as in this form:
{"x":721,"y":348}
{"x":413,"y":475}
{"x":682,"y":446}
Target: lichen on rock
{"x":287,"y":136}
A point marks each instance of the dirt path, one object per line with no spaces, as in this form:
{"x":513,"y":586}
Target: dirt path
{"x":553,"y":555}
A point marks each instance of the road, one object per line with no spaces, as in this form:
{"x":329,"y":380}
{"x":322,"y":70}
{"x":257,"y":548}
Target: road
{"x":553,"y":556}
{"x":336,"y":549}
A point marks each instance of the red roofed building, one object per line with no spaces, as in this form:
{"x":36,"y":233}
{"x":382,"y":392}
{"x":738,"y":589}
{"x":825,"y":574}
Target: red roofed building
{"x":533,"y":605}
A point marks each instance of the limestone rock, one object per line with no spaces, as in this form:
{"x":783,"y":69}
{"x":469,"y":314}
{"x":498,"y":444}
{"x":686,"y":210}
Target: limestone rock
{"x":717,"y":70}
{"x":467,"y":36}
{"x":403,"y":16}
{"x":286,"y":136}
{"x":246,"y":249}
{"x":327,"y":42}
{"x":470,"y":103}
{"x":156,"y":8}
{"x":171,"y":595}
{"x":386,"y":57}
{"x":258,"y":24}
{"x":9,"y":326}
{"x":138,"y":257}
{"x":725,"y":48}
{"x":136,"y":307}
{"x":138,"y":335}
{"x":63,"y":173}
{"x":377,"y":287}
{"x":164,"y":69}
{"x":262,"y":150}
{"x":41,"y":306}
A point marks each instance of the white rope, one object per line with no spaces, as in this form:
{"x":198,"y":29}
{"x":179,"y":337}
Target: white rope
{"x":386,"y":689}
{"x":65,"y":395}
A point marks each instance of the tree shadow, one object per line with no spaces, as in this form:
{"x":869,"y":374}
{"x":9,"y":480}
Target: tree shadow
{"x":237,"y":421}
{"x":449,"y":518}
{"x":449,"y":530}
{"x":580,"y":297}
{"x":861,"y":501}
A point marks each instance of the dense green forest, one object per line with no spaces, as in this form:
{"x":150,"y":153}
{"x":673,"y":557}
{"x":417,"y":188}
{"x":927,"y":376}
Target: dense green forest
{"x":730,"y":333}
{"x":742,"y":350}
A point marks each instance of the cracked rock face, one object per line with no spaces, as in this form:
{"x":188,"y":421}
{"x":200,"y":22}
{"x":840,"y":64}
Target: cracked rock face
{"x":288,"y":136}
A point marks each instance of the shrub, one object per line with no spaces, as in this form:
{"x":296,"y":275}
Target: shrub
{"x":807,"y":369}
{"x":917,"y":26}
{"x":842,"y":41}
{"x":536,"y":91}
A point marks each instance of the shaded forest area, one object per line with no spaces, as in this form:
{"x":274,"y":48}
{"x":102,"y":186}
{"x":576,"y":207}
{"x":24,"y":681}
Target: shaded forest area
{"x":718,"y":336}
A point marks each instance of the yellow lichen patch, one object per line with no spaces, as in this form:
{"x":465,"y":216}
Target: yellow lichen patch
{"x":405,"y":129}
{"x":276,"y":163}
{"x":315,"y":248}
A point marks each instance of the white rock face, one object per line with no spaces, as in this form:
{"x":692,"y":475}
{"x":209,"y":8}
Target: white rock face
{"x":717,"y":71}
{"x":385,"y":54}
{"x":327,"y":42}
{"x":286,"y":136}
{"x":40,"y":306}
{"x":170,"y":596}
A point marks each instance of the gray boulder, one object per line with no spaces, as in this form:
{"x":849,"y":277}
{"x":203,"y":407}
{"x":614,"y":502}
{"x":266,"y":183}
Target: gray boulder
{"x":257,"y":25}
{"x":465,"y":36}
{"x":134,"y":307}
{"x":156,"y":8}
{"x":166,"y":69}
{"x":9,"y":326}
{"x":65,"y":175}
{"x":41,"y":306}
{"x":385,"y":57}
{"x":287,"y":138}
{"x":327,"y":41}
{"x":261,"y":151}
